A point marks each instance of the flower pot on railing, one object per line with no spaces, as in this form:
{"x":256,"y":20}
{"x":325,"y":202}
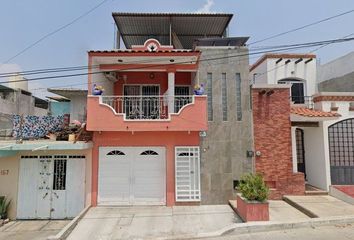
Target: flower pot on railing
{"x":199,"y":89}
{"x":97,"y":90}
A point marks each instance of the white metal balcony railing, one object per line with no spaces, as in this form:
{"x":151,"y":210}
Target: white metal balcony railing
{"x":146,"y":107}
{"x":303,"y":100}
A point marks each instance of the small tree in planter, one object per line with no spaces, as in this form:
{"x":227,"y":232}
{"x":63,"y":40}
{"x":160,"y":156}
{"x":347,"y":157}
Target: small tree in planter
{"x":252,"y":203}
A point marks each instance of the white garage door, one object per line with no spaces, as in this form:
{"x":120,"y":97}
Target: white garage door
{"x":132,"y":176}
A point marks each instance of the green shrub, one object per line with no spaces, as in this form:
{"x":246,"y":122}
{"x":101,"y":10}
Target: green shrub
{"x":4,"y":206}
{"x":253,"y":188}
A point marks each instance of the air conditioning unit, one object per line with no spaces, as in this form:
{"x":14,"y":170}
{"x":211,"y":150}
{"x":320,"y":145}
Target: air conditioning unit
{"x":111,"y":76}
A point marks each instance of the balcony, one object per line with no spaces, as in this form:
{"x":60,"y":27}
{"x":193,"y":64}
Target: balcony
{"x":147,"y":113}
{"x":305,"y":101}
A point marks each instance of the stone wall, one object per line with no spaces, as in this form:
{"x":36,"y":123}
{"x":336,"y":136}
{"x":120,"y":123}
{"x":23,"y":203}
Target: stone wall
{"x":272,"y":140}
{"x":223,"y":151}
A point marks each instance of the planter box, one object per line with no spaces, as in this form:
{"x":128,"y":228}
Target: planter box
{"x":252,"y":211}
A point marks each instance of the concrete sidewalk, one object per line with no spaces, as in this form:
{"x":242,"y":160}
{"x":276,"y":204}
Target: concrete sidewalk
{"x":34,"y":230}
{"x":152,"y":222}
{"x":322,"y":206}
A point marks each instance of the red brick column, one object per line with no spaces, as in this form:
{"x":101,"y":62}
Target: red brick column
{"x":272,"y":139}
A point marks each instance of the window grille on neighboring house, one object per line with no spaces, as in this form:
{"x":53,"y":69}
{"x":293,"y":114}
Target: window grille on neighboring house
{"x":224,"y":96}
{"x":238,"y":97}
{"x":210,"y":96}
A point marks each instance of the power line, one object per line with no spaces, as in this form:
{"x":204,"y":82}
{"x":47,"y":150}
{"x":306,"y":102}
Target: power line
{"x":86,"y":83}
{"x":48,"y":70}
{"x":55,"y":31}
{"x":302,"y":27}
{"x":80,"y":68}
{"x":289,"y":47}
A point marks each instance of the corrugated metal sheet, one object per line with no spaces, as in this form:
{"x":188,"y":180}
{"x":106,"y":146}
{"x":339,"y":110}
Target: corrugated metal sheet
{"x":136,"y":28}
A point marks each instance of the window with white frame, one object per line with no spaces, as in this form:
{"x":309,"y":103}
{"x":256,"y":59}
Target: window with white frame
{"x":187,"y":174}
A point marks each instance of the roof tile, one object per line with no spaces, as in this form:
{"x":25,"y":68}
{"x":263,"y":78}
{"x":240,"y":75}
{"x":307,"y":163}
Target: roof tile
{"x":306,"y":112}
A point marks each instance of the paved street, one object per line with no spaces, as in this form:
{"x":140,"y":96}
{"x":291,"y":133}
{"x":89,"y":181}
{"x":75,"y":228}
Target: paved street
{"x":339,"y":232}
{"x":31,"y":230}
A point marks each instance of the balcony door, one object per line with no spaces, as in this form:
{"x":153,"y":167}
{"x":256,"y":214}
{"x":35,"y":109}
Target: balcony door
{"x":142,"y":101}
{"x":297,"y":90}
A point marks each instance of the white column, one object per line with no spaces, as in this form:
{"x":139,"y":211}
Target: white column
{"x":171,"y":92}
{"x":293,"y":148}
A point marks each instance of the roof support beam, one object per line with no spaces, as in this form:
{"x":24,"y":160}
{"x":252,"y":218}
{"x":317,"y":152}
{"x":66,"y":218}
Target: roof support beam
{"x":299,"y":60}
{"x":307,"y":61}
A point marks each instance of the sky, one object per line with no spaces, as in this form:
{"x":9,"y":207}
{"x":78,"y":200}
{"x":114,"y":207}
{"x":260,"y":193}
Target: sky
{"x":23,"y":22}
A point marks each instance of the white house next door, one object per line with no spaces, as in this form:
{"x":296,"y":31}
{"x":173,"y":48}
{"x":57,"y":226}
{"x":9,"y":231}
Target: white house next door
{"x":132,"y":176}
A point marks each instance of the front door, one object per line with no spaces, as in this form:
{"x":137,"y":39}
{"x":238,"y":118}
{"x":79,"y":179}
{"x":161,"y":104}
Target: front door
{"x":142,"y":102}
{"x":131,"y":176}
{"x":300,"y":151}
{"x":341,"y":152}
{"x":187,"y":173}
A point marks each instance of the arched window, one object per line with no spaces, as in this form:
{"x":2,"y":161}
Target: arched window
{"x":297,"y":90}
{"x":185,"y":154}
{"x":149,"y":152}
{"x":116,"y":152}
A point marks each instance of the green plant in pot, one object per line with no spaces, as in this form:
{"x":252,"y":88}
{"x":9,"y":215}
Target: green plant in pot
{"x":4,"y":206}
{"x":252,"y":204}
{"x":253,"y":188}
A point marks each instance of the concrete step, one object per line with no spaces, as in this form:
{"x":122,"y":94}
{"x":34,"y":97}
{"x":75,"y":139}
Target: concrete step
{"x":316,"y":192}
{"x":313,"y":191}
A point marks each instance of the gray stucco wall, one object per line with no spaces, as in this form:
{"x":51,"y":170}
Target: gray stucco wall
{"x":339,"y":84}
{"x":223,"y":151}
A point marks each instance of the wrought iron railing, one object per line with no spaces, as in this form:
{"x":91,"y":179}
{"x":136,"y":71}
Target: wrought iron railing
{"x":146,"y":107}
{"x":307,"y":101}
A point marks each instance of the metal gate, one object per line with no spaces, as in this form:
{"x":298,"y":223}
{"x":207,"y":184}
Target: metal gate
{"x":341,"y":152}
{"x":51,"y":186}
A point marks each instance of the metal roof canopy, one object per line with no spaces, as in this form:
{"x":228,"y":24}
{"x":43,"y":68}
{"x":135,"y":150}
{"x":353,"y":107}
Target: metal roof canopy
{"x":178,"y":29}
{"x":228,"y":41}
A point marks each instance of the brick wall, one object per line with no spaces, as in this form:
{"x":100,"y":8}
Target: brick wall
{"x":272,"y":137}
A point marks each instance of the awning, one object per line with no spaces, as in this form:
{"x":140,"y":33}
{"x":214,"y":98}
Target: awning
{"x":170,"y":28}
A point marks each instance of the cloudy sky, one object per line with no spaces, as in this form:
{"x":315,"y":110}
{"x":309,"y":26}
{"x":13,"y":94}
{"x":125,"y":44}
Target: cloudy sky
{"x":24,"y":22}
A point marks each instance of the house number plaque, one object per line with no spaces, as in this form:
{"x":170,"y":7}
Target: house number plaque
{"x":4,"y":172}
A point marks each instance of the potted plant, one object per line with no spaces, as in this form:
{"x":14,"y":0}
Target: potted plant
{"x":4,"y":206}
{"x":97,"y":90}
{"x":252,"y":203}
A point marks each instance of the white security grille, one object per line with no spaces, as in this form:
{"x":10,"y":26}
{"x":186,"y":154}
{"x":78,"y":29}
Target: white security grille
{"x":187,"y":174}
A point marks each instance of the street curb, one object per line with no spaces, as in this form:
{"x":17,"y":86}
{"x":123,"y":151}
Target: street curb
{"x":64,"y":233}
{"x":254,"y":227}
